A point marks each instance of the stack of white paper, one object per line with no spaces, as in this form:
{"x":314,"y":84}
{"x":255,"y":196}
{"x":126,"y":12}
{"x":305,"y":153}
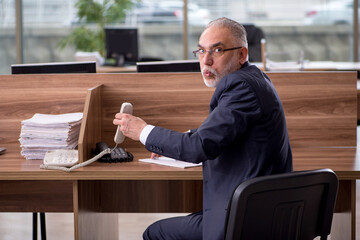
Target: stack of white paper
{"x":45,"y":132}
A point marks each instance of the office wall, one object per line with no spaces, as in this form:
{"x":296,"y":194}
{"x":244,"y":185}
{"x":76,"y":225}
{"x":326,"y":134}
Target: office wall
{"x":325,"y":43}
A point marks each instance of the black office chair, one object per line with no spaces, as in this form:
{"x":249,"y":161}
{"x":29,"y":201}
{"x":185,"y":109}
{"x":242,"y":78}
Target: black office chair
{"x":297,"y":205}
{"x":254,"y":36}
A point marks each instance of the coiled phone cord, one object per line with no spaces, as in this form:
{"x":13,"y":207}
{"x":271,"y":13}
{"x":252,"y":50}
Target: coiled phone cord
{"x":79,"y":165}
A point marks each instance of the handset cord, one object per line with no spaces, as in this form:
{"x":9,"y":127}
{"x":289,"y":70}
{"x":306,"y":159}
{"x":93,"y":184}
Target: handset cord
{"x":79,"y":165}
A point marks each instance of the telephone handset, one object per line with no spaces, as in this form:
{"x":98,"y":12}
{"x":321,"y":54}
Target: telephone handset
{"x":125,"y":108}
{"x":117,"y":154}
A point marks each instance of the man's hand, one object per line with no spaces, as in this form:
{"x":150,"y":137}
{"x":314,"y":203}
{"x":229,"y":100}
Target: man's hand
{"x":130,"y":125}
{"x":155,"y":155}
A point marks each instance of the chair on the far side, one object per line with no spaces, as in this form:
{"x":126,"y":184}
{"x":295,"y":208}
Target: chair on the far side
{"x":254,"y":37}
{"x":297,"y":205}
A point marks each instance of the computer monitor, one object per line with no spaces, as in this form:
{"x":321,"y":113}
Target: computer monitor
{"x":169,"y":66}
{"x":55,"y":67}
{"x":122,"y":45}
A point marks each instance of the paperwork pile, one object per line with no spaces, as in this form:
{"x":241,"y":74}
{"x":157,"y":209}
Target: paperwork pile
{"x":46,"y":132}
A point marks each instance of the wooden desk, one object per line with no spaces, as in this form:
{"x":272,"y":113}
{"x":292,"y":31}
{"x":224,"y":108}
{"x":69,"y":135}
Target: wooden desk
{"x":315,"y":118}
{"x":96,"y":191}
{"x":331,"y":66}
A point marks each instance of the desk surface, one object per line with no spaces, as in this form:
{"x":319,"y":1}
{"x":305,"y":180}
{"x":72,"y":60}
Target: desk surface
{"x":344,"y":161}
{"x":15,"y":167}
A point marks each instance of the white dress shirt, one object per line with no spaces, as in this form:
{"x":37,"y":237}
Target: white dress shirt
{"x":145,"y":133}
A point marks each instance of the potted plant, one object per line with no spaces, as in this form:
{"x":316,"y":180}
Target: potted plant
{"x":93,"y":16}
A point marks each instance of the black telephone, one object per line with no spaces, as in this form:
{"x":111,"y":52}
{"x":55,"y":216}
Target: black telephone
{"x":118,"y":155}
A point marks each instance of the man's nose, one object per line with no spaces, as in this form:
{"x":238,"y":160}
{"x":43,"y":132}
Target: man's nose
{"x":207,"y":59}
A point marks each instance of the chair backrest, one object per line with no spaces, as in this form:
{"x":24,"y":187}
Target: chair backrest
{"x":254,"y":36}
{"x":297,"y":205}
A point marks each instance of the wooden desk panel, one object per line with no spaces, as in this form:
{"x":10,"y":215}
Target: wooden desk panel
{"x":36,"y":196}
{"x":320,"y":109}
{"x":322,"y":105}
{"x":145,"y":195}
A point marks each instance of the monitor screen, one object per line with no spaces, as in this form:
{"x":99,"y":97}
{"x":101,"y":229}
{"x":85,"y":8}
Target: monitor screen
{"x":57,"y":67}
{"x":169,"y":66}
{"x":122,"y":45}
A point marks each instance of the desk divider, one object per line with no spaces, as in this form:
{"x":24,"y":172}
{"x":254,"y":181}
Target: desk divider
{"x":90,"y":131}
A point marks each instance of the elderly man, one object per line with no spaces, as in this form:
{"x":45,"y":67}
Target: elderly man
{"x":244,"y":136}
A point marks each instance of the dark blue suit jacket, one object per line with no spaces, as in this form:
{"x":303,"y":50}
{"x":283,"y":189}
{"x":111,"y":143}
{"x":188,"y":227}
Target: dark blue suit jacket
{"x":244,"y":136}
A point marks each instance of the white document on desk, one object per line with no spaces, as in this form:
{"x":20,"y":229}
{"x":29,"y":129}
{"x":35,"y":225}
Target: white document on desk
{"x":170,"y":162}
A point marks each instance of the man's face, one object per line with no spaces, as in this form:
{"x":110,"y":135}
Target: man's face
{"x":214,"y":68}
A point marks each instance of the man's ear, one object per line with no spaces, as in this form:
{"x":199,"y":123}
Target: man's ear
{"x":243,"y":52}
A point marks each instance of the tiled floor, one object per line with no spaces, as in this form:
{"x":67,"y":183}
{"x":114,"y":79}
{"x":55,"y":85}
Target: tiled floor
{"x":60,"y":226}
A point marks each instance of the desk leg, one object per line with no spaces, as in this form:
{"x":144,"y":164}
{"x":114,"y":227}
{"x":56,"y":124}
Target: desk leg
{"x":344,"y":221}
{"x":89,"y":222}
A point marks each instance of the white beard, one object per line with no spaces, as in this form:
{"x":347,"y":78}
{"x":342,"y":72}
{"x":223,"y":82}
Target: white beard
{"x":218,"y":76}
{"x":213,"y":82}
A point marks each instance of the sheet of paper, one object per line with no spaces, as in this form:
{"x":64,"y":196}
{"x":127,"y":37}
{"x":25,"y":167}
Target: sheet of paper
{"x":56,"y":120}
{"x":170,"y":162}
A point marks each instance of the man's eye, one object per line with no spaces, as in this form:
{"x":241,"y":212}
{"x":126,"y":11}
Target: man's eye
{"x":217,"y":50}
{"x":201,"y":51}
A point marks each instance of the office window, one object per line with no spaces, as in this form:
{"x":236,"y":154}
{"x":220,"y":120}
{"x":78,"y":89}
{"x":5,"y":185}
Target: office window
{"x":7,"y":35}
{"x":160,"y":25}
{"x":321,"y":29}
{"x":44,"y":23}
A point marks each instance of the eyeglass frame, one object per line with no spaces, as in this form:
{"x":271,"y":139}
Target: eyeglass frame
{"x":211,"y":51}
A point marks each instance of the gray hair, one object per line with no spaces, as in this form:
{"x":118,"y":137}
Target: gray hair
{"x":238,"y":31}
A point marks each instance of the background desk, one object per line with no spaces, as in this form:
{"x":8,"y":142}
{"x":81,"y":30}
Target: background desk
{"x":331,"y":66}
{"x":313,"y":66}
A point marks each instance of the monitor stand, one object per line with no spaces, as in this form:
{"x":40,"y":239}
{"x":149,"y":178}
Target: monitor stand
{"x":119,"y":60}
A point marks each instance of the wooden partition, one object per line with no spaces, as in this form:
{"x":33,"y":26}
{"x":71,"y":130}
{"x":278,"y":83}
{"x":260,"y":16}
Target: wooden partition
{"x":320,"y":107}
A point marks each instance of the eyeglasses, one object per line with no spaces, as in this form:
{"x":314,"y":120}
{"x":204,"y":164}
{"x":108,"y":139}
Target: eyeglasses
{"x":216,"y":52}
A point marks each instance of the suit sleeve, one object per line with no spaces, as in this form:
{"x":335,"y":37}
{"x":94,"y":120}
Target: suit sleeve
{"x":237,"y":107}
